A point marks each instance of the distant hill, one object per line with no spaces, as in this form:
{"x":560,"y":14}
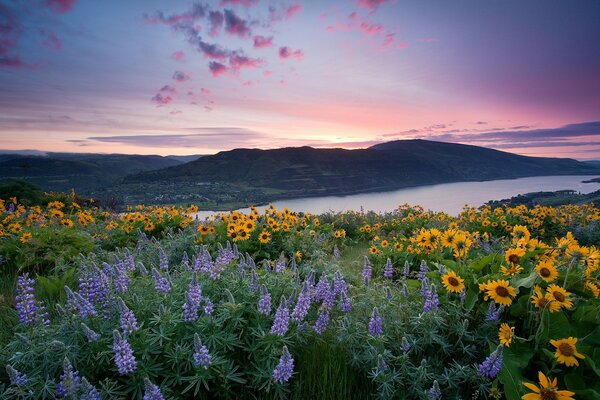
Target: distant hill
{"x":305,"y":171}
{"x":554,"y":199}
{"x":83,"y":172}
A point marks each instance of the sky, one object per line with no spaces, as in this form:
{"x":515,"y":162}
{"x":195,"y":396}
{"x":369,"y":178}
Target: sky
{"x":185,"y":77}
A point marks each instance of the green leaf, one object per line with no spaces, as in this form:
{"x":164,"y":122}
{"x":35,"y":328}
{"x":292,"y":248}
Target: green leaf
{"x":516,"y":359}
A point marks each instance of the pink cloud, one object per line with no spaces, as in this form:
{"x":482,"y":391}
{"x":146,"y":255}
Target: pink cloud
{"x":178,"y":55}
{"x":9,"y":37}
{"x":293,"y":10}
{"x":236,"y":25}
{"x":12,"y":62}
{"x":261,"y":42}
{"x":181,"y":76}
{"x":161,"y":100}
{"x":371,"y":4}
{"x":175,"y":112}
{"x":60,"y":6}
{"x":277,"y":14}
{"x":402,"y":45}
{"x":168,"y":89}
{"x":245,"y":3}
{"x":216,"y":22}
{"x":212,"y":51}
{"x":205,"y":91}
{"x":196,"y":13}
{"x":216,"y":68}
{"x":268,"y":73}
{"x":370,"y":29}
{"x":250,"y":83}
{"x":285,"y":53}
{"x":52,"y":41}
{"x":237,"y":62}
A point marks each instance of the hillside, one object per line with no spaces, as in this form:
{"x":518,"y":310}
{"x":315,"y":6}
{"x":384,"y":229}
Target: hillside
{"x":305,"y":171}
{"x":83,"y":172}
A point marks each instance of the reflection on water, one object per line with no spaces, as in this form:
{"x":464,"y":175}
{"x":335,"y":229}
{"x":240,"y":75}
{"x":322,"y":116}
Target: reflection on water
{"x":448,"y":197}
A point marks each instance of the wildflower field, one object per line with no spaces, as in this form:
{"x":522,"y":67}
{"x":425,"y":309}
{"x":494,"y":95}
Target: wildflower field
{"x":154,"y":304}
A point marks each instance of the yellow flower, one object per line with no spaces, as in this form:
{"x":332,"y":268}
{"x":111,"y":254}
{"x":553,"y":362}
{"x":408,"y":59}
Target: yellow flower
{"x":546,"y":391}
{"x":373,"y":250}
{"x":500,"y":291}
{"x":546,"y":271}
{"x":264,"y":237}
{"x":149,"y":226}
{"x":385,"y":243}
{"x":512,"y":270}
{"x":453,"y":283}
{"x":513,"y":256}
{"x":593,"y":288}
{"x":298,"y":255}
{"x":544,"y":301}
{"x":560,"y":295}
{"x":25,"y":238}
{"x":566,"y":351}
{"x":506,"y":334}
{"x":66,"y":222}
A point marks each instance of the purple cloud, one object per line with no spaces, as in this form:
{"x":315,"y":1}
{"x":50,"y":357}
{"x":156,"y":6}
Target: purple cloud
{"x":51,"y":41}
{"x":216,"y":68}
{"x":161,"y":100}
{"x":60,"y":6}
{"x":216,"y":22}
{"x":178,"y":55}
{"x":245,"y":3}
{"x":238,"y":62}
{"x":371,"y":4}
{"x":285,"y":53}
{"x":181,"y":76}
{"x":261,"y":42}
{"x":236,"y":25}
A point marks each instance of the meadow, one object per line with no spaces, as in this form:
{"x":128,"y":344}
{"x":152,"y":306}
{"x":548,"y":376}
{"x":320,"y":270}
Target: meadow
{"x":151,"y":303}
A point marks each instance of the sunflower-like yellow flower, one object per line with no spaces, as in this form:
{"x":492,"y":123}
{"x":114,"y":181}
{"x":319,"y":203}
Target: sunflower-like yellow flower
{"x":593,"y":287}
{"x":546,"y":391}
{"x":264,"y":237}
{"x":566,"y":351}
{"x":560,"y":295}
{"x":500,"y":291}
{"x":513,"y":256}
{"x":512,"y":270}
{"x":546,"y":270}
{"x":506,"y":334}
{"x":544,"y":301}
{"x":453,"y":283}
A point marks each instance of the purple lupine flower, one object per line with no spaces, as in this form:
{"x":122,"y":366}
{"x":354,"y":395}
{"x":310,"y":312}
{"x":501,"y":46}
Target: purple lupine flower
{"x":406,"y":269}
{"x":16,"y":377}
{"x":367,"y":271}
{"x":163,"y":261}
{"x":375,"y":328}
{"x":193,"y":298}
{"x":142,"y":268}
{"x":161,"y":283}
{"x":388,"y":293}
{"x":280,"y":264}
{"x":185,"y":261}
{"x":75,"y":300}
{"x":492,"y":365}
{"x":425,"y":287}
{"x":434,"y":393}
{"x":152,"y":391}
{"x":282,"y":319}
{"x":321,"y":289}
{"x":404,"y":345}
{"x":254,"y":285}
{"x":209,"y":307}
{"x":196,"y":223}
{"x":329,"y":298}
{"x":493,"y":313}
{"x":264,"y":302}
{"x":388,"y":271}
{"x":432,"y":302}
{"x":284,"y":370}
{"x":129,"y":261}
{"x":463,"y":295}
{"x":201,"y":355}
{"x":90,"y":334}
{"x":345,"y":305}
{"x":423,"y":270}
{"x":302,"y":305}
{"x":69,"y":384}
{"x":121,"y":278}
{"x":124,"y":358}
{"x":88,"y":391}
{"x":381,"y":365}
{"x":127,"y":318}
{"x":336,"y":253}
{"x":339,"y":284}
{"x":93,"y":286}
{"x":322,"y":321}
{"x":406,"y":291}
{"x":11,"y":208}
{"x":30,"y":310}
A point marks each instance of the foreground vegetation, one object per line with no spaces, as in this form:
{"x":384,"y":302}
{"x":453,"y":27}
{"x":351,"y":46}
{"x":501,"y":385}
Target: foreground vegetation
{"x":494,"y":303}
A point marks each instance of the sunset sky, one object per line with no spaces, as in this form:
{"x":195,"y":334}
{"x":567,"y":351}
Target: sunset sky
{"x":183,"y":77}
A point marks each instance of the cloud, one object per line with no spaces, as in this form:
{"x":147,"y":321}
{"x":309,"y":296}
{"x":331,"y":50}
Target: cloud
{"x":237,"y":62}
{"x":160,"y":100}
{"x":178,"y":20}
{"x":371,"y":4}
{"x":216,"y":22}
{"x":10,"y":29}
{"x":168,"y":89}
{"x":205,"y":91}
{"x":51,"y":41}
{"x":293,"y":10}
{"x":428,"y":40}
{"x":282,"y":13}
{"x":370,"y":29}
{"x":236,"y":25}
{"x":216,"y":68}
{"x":178,"y":55}
{"x":181,"y":76}
{"x":217,"y":137}
{"x":245,"y":3}
{"x":60,"y":6}
{"x":286,"y":52}
{"x":261,"y":42}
